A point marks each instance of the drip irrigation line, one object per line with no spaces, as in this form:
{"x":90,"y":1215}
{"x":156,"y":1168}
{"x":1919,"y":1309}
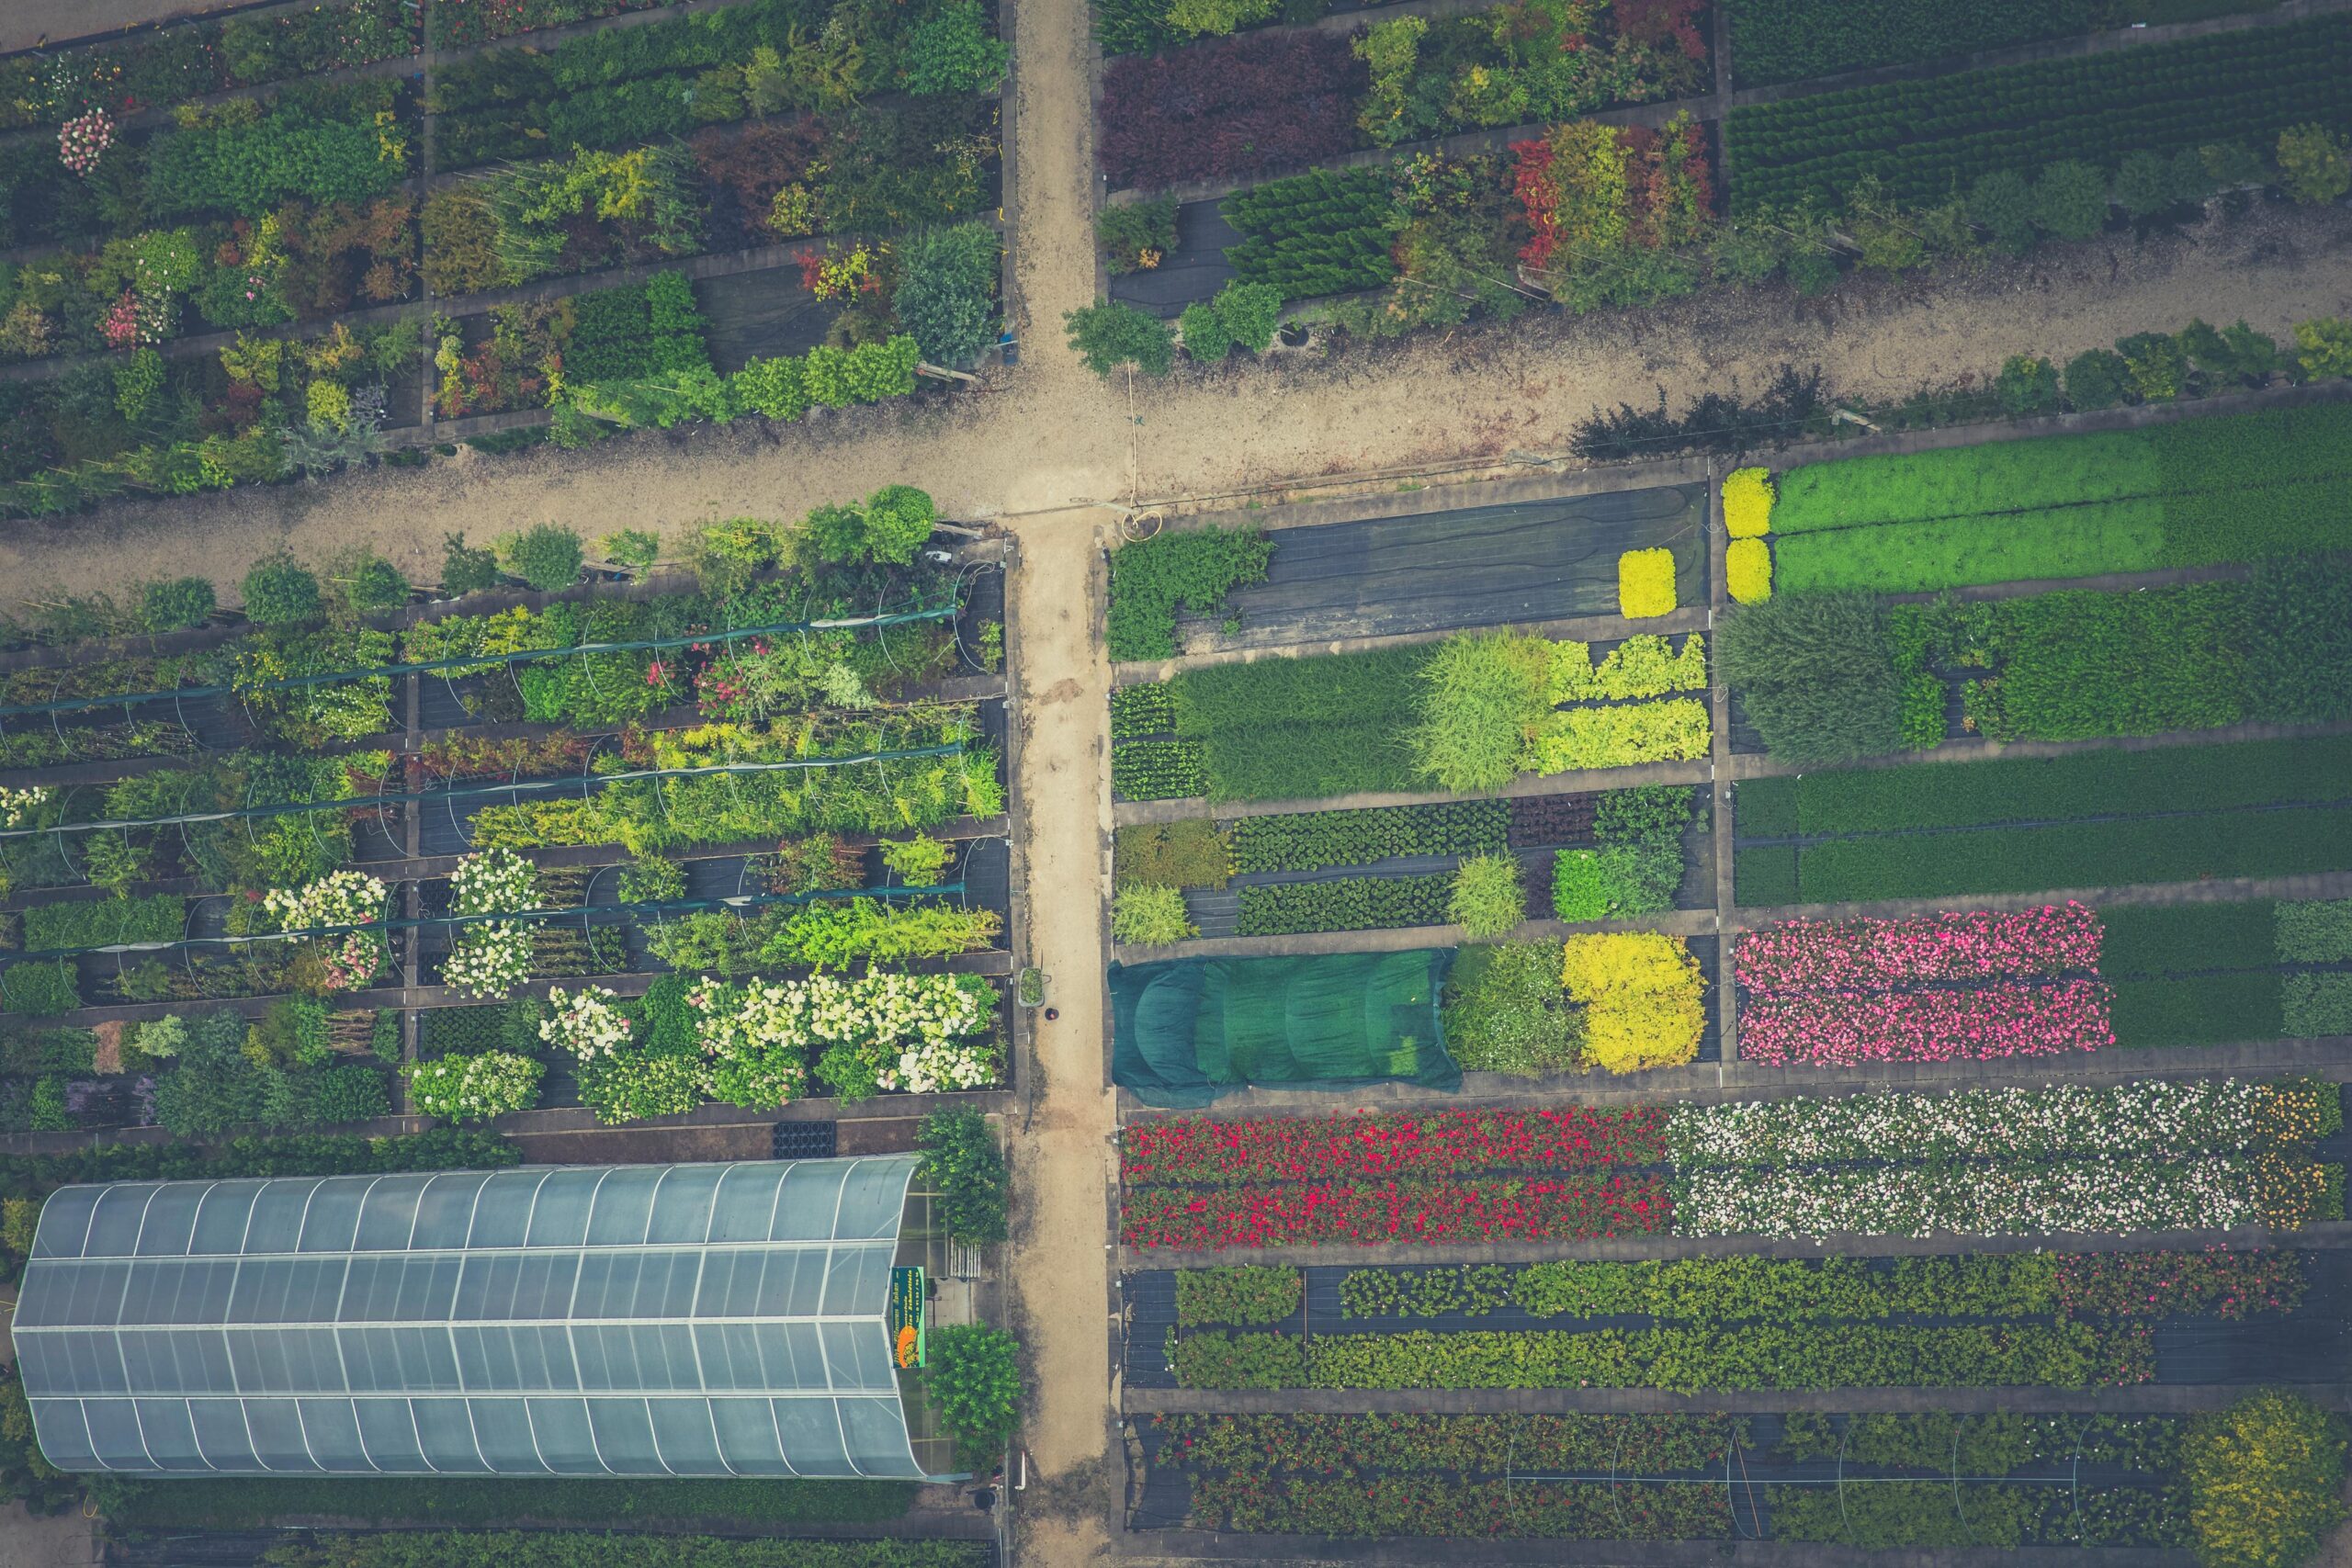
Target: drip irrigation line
{"x":520,"y":917}
{"x":365,"y":802}
{"x":474,"y":662}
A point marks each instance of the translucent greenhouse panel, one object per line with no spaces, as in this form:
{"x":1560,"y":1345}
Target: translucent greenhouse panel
{"x":502,"y":1215}
{"x":171,"y":1435}
{"x":40,"y":1363}
{"x":560,"y":1209}
{"x":730,"y":1283}
{"x":669,"y":1284}
{"x":65,"y":1222}
{"x":222,"y":1217}
{"x":333,"y":1428}
{"x":277,"y":1215}
{"x":63,"y":1434}
{"x":807,"y":1348}
{"x":681,"y":1205}
{"x":730,"y":1356}
{"x":812,"y":1436}
{"x":221,"y":1433}
{"x":665,"y":1357}
{"x":543,"y":1356}
{"x":565,"y":1441}
{"x":114,"y":1224}
{"x":683,"y":1431}
{"x":92,"y":1364}
{"x":624,"y":1436}
{"x":446,"y":1429}
{"x":800,"y":1291}
{"x":544,"y":1285}
{"x":95,"y":1290}
{"x":333,"y":1221}
{"x":485,"y":1359}
{"x":747,"y":1436}
{"x":387,"y":1215}
{"x":486,"y":1286}
{"x":874,"y":1197}
{"x":171,"y":1220}
{"x":858,"y":1356}
{"x":746,"y":1203}
{"x":427,"y":1365}
{"x":812,"y":1195}
{"x":502,"y":1427}
{"x":114,"y":1436}
{"x":387,"y":1429}
{"x":445,"y":1213}
{"x":278,"y":1439}
{"x":876,"y":1431}
{"x":623,"y":1207}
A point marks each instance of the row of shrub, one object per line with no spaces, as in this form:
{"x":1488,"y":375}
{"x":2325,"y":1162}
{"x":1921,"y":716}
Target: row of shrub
{"x":2204,"y":974}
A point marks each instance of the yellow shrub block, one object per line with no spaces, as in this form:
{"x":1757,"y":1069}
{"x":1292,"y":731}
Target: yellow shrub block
{"x":1645,"y":584}
{"x":1748,"y":502}
{"x":1747,"y":570}
{"x":1643,"y":995}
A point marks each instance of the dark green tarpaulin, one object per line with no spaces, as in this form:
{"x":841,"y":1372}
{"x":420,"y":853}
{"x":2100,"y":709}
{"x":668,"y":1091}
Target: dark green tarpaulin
{"x":1187,"y":1030}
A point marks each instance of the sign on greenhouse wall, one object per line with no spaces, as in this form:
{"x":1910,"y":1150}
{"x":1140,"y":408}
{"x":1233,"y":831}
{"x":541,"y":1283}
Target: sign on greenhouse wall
{"x":906,"y":1318}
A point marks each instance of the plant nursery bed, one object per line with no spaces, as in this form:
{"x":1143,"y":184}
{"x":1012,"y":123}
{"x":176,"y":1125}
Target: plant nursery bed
{"x":1194,"y":270}
{"x":1484,"y":566}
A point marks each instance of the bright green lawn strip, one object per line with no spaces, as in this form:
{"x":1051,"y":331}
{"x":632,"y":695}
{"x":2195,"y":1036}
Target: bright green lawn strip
{"x":1958,"y":481}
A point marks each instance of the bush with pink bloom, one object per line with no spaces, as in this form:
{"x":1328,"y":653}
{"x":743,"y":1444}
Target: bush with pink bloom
{"x":1815,"y":956}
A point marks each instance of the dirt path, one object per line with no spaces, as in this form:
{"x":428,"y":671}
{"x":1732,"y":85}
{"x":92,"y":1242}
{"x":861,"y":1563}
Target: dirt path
{"x":1049,"y":435}
{"x":1061,"y":1157}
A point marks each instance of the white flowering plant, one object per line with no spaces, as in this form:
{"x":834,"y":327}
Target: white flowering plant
{"x":339,"y":898}
{"x":915,"y":1033}
{"x":16,"y":805}
{"x":473,"y":1088}
{"x":588,"y":1024}
{"x":494,"y":957}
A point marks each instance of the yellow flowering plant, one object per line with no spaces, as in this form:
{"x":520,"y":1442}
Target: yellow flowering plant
{"x":1645,"y":584}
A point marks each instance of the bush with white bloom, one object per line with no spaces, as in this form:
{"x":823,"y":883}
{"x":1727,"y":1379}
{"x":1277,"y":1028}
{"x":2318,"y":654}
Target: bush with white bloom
{"x":587,"y":1024}
{"x":473,"y":1088}
{"x":915,"y":1032}
{"x":491,"y":958}
{"x":16,"y":805}
{"x":339,"y":898}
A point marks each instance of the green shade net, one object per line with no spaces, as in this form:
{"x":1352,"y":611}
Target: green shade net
{"x":1186,"y":1032}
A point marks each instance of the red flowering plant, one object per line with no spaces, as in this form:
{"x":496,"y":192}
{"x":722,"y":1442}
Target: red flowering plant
{"x":2217,"y":1282}
{"x":1427,"y":1212}
{"x":1296,"y":1148}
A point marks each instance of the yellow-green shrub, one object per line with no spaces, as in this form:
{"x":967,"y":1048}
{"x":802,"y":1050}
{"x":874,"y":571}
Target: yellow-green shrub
{"x":1642,"y":998}
{"x":2264,"y":1478}
{"x":1747,"y":570}
{"x":1645,"y":584}
{"x":1748,"y":502}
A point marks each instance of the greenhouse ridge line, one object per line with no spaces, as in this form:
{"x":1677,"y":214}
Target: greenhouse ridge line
{"x":528,"y":916}
{"x":477,"y":661}
{"x":363,"y":802}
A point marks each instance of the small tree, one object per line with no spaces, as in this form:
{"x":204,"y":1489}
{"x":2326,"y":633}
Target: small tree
{"x":634,"y":550}
{"x":946,"y":294}
{"x":1110,"y":334}
{"x":2324,"y":346}
{"x":2315,"y":164}
{"x":2264,"y":1478}
{"x":464,"y":569}
{"x":1250,"y":311}
{"x":962,"y":1164}
{"x":899,"y":518}
{"x":278,"y":591}
{"x":2145,"y":185}
{"x":2070,"y":200}
{"x":918,"y":861}
{"x":836,"y":533}
{"x":175,"y":604}
{"x":548,"y":557}
{"x":973,"y":1378}
{"x":1205,"y":335}
{"x":367,"y":583}
{"x":2095,"y":380}
{"x":2005,"y":205}
{"x":2028,"y":386}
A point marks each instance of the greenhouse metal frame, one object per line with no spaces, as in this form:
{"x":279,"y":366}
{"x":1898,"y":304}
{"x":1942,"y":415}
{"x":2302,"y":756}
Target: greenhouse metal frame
{"x":649,"y":1320}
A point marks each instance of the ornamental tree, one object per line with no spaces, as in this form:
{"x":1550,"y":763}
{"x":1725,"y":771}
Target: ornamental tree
{"x":973,"y":1378}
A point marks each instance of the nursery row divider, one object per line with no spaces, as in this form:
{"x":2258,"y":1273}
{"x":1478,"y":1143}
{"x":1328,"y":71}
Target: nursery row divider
{"x":424,"y":376}
{"x":1719,"y":818}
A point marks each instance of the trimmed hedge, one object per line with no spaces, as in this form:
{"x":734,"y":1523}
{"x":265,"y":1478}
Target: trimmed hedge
{"x":1787,"y":40}
{"x":1309,"y":841}
{"x":1305,"y":729}
{"x":1349,"y":904}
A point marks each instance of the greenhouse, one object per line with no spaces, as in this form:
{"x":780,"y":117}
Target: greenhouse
{"x":750,"y":1319}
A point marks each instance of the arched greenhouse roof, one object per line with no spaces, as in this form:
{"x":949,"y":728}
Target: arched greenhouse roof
{"x":640,"y":1320}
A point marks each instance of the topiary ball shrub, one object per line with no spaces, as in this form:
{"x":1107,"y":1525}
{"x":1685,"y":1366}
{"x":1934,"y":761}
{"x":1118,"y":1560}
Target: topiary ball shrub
{"x":548,"y":557}
{"x":1748,"y":502}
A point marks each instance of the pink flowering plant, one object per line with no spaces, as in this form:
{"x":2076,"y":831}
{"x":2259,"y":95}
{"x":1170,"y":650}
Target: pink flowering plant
{"x":1980,"y":1023}
{"x":84,"y":139}
{"x":1974,"y":986}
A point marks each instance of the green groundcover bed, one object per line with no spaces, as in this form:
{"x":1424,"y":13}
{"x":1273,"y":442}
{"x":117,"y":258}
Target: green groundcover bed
{"x":2192,"y":493}
{"x":1187,"y":1030}
{"x":240,"y":1502}
{"x":2086,"y":819}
